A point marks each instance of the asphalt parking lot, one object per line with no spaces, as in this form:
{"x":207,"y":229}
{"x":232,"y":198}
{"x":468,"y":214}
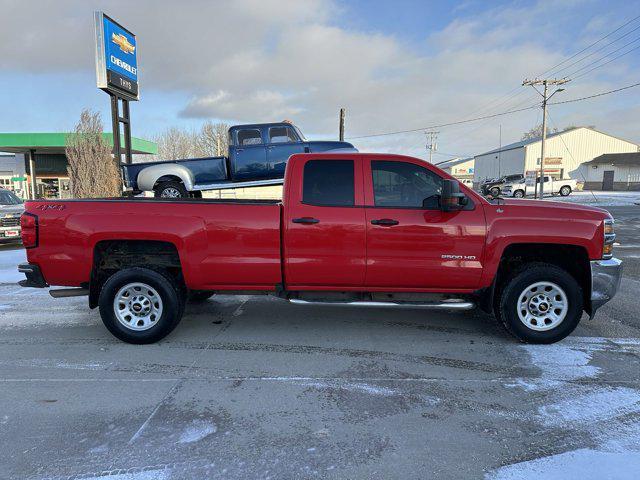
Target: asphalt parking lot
{"x":251,"y":387}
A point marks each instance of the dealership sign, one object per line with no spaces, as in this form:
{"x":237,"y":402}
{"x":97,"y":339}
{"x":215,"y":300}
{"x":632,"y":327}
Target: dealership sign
{"x":116,"y":58}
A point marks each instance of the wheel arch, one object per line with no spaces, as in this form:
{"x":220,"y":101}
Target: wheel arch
{"x":110,"y":256}
{"x":572,"y":258}
{"x":149,"y":177}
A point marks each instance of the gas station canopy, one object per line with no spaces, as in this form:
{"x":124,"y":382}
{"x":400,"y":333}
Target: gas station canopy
{"x":54,"y":143}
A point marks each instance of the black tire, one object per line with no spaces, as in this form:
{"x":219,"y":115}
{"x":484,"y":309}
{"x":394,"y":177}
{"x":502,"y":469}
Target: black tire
{"x":518,"y":194}
{"x":199,"y":296}
{"x":172,"y":303}
{"x":495,"y":192}
{"x":507,"y":296}
{"x":566,"y":190}
{"x":170,"y":190}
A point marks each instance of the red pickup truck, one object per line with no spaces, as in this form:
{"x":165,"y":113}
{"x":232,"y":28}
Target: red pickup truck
{"x":357,"y":229}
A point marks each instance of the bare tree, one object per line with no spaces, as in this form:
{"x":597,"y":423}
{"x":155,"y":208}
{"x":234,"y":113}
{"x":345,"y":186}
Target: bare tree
{"x":176,"y":143}
{"x":212,"y":140}
{"x":536,"y":132}
{"x":93,"y":171}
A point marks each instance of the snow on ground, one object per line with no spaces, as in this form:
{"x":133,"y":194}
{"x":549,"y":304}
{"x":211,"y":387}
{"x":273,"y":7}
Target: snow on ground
{"x":605,"y":414}
{"x":600,"y":199}
{"x":9,"y":260}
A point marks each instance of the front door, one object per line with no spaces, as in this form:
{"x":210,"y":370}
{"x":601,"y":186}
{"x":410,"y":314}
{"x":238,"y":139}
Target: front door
{"x":607,"y":180}
{"x":283,"y":142}
{"x":324,"y":229}
{"x":250,"y":155}
{"x":411,"y":243}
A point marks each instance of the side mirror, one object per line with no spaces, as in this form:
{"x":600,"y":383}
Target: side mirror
{"x":451,"y":198}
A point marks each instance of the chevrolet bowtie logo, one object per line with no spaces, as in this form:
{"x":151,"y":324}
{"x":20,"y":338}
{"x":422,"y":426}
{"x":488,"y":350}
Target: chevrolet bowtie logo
{"x":122,"y":42}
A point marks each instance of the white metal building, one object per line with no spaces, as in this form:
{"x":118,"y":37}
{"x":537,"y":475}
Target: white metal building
{"x":613,"y":171}
{"x":565,"y":154}
{"x":460,"y":168}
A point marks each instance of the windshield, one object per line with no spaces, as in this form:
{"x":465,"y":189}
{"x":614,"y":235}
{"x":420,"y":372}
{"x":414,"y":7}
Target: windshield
{"x":9,"y":198}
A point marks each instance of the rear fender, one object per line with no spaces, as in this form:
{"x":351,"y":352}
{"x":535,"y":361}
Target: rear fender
{"x":148,"y":177}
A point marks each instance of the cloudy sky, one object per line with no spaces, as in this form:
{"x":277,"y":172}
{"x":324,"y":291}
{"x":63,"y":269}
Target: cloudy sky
{"x":395,"y":65}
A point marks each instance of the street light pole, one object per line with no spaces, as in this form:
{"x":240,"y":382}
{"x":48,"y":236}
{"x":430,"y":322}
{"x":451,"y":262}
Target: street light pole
{"x":545,"y":99}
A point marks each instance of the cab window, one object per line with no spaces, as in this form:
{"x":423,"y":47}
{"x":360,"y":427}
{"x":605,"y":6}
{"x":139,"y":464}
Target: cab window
{"x":328,"y":183}
{"x":249,"y":137}
{"x":282,"y":135}
{"x":403,"y":184}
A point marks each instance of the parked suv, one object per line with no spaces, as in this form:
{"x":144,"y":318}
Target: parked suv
{"x":493,"y":186}
{"x":11,"y":207}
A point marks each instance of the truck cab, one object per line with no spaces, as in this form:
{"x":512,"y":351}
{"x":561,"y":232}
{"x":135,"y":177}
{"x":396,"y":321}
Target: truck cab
{"x":257,"y":156}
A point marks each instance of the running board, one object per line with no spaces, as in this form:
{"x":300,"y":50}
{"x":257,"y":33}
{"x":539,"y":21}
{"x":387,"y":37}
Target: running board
{"x":247,"y":184}
{"x":446,"y":305}
{"x":68,"y":292}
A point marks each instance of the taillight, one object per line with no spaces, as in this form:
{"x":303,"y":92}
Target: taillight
{"x":29,"y":230}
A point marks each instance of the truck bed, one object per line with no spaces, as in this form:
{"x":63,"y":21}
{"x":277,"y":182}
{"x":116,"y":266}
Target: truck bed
{"x":220,"y":242}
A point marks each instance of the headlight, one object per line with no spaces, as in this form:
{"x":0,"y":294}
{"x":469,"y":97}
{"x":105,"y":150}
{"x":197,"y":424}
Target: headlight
{"x":609,"y":238}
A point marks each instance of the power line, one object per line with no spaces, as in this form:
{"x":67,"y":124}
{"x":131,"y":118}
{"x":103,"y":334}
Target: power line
{"x":383,"y":134}
{"x":603,"y":58}
{"x":591,"y":45}
{"x":514,"y":93}
{"x":599,"y":50}
{"x":596,"y":95}
{"x":606,"y":63}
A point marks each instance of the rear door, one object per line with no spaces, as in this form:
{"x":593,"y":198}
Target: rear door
{"x":324,"y":223}
{"x":282,"y":142}
{"x":411,"y":243}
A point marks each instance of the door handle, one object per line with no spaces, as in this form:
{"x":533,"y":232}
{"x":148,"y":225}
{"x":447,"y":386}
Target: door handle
{"x":306,"y":220}
{"x":239,"y":150}
{"x":385,"y":222}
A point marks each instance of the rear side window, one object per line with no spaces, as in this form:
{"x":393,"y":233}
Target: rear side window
{"x":249,"y":137}
{"x":328,"y":182}
{"x":402,"y":184}
{"x":282,"y":135}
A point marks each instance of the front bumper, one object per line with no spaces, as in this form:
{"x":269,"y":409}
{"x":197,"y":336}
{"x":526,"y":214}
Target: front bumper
{"x":33,"y":274}
{"x":605,"y":281}
{"x":9,"y":233}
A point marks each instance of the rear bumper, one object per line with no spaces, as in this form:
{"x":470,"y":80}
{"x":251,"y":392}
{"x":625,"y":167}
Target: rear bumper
{"x":34,"y":276}
{"x":605,"y":281}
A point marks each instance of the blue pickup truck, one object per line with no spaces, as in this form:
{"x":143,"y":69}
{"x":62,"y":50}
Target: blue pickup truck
{"x":258,"y":154}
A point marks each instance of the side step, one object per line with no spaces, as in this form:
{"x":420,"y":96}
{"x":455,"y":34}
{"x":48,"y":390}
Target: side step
{"x":444,"y":305}
{"x":68,"y":292}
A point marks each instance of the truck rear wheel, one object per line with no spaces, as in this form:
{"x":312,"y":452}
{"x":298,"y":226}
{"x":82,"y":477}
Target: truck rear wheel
{"x":170,"y":190}
{"x":518,"y":194}
{"x":140,"y":306}
{"x":566,"y":190}
{"x":540,"y":303}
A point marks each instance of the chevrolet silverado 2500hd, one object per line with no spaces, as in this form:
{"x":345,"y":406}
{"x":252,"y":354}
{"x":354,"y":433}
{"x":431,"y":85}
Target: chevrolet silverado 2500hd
{"x":257,"y":156}
{"x":359,"y":229}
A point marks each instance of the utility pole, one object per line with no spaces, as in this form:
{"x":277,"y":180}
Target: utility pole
{"x":500,"y":153}
{"x":432,"y":146}
{"x":341,"y":127}
{"x":545,"y":98}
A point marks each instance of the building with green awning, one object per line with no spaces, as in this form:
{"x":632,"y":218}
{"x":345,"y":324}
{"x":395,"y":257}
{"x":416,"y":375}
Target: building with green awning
{"x":44,"y":153}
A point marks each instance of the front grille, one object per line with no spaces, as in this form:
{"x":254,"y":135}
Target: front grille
{"x":10,"y":222}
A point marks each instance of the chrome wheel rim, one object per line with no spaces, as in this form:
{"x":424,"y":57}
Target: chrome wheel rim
{"x":518,"y":194}
{"x":564,"y":191}
{"x":542,"y":306}
{"x":170,"y":192}
{"x":137,"y":306}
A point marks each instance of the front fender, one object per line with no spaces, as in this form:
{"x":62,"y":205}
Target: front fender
{"x":148,"y":177}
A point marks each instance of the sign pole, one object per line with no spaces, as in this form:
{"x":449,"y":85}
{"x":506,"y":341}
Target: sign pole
{"x":117,"y":74}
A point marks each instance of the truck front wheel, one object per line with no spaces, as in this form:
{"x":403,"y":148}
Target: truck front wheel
{"x":140,"y":306}
{"x":540,"y":303}
{"x":566,"y":190}
{"x":170,"y":190}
